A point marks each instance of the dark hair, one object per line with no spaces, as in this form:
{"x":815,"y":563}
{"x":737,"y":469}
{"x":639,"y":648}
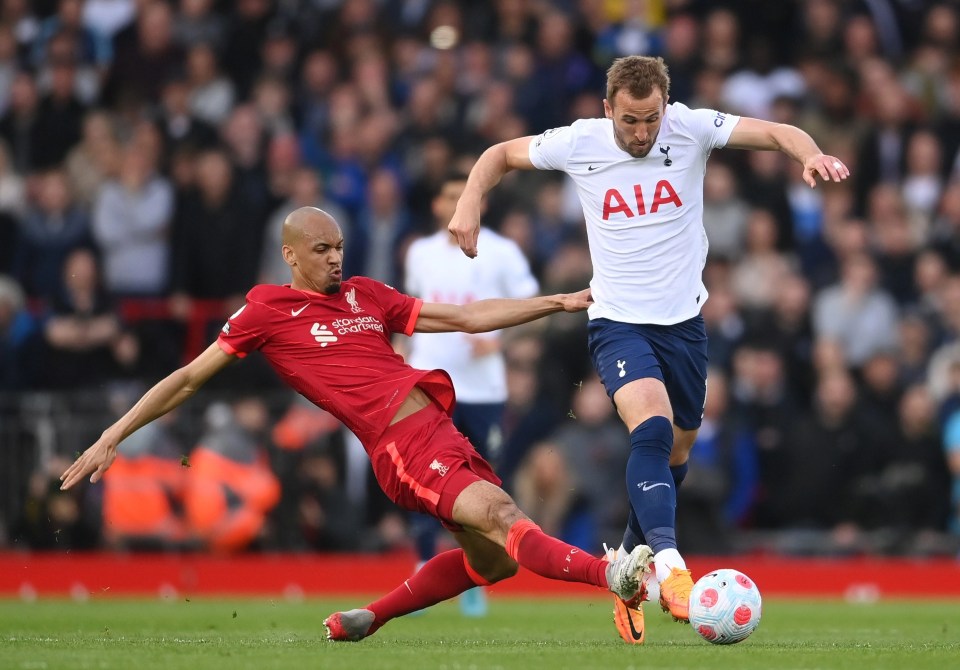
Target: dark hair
{"x":638,"y":76}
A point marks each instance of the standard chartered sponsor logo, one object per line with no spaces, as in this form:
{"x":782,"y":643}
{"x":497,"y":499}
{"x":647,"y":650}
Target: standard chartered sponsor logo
{"x":356,"y":325}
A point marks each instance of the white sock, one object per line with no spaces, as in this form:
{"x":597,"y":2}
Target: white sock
{"x":666,"y":560}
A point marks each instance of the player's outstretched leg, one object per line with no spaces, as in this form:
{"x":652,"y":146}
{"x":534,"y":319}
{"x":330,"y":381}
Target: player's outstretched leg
{"x":444,"y":576}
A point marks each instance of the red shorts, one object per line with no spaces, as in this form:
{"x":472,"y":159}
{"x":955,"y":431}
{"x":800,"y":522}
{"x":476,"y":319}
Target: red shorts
{"x":422,"y":463}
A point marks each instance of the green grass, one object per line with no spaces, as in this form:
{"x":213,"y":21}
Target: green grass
{"x":545,"y":635}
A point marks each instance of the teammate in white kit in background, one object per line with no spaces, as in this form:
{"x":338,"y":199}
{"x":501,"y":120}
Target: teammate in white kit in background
{"x":436,"y":270}
{"x":639,"y":174}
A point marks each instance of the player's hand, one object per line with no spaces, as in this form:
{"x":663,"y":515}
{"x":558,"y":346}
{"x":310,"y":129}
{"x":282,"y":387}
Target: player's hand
{"x":828,"y":168}
{"x":96,"y":459}
{"x":466,"y":228}
{"x":576,"y":302}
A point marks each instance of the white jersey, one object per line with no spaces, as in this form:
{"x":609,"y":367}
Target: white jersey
{"x":437,"y":271}
{"x":644,"y":215}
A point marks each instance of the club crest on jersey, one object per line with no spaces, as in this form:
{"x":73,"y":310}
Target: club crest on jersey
{"x":351,"y":297}
{"x":666,"y":155}
{"x":439,"y":467}
{"x":663,"y":194}
{"x":323,"y":335}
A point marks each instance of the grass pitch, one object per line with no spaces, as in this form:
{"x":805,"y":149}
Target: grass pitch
{"x":545,"y":634}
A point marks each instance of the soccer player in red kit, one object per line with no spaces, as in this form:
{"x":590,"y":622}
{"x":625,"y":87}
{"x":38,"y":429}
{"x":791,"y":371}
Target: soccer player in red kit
{"x":329,"y":339}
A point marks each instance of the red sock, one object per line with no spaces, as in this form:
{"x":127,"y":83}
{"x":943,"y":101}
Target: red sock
{"x":549,"y":557}
{"x":443,"y":576}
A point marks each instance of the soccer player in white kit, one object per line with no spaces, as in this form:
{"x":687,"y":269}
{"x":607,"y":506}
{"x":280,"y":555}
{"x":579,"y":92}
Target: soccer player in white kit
{"x":437,"y":271}
{"x":639,"y":174}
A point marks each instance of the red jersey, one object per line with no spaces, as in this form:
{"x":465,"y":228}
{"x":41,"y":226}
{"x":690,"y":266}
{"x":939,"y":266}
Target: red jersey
{"x":335,"y":349}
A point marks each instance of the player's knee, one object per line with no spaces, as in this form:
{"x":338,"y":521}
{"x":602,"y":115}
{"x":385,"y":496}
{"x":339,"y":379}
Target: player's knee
{"x":655,"y":434}
{"x":502,"y":514}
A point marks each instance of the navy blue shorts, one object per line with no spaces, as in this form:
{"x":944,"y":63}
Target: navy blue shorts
{"x":676,"y":355}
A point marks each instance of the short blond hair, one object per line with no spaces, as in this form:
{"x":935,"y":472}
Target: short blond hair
{"x":638,"y":76}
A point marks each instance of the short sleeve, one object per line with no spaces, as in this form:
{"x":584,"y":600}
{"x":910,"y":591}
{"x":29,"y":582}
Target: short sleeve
{"x":243,"y":332}
{"x":709,"y":128}
{"x":551,"y":149}
{"x":399,"y":310}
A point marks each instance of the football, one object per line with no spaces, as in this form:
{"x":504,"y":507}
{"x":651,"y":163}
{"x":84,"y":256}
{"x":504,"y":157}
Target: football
{"x":725,"y":606}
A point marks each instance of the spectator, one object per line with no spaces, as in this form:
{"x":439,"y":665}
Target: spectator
{"x":215,"y":229}
{"x":180,"y":125}
{"x":53,"y":226}
{"x":51,"y":518}
{"x":12,"y":188}
{"x":92,"y":47}
{"x":95,"y":158}
{"x":8,"y":65}
{"x":827,"y":446}
{"x":721,"y":486}
{"x":246,"y":141}
{"x":211,"y":94}
{"x":59,"y":117}
{"x":923,"y":182}
{"x":108,"y":17}
{"x":143,"y":492}
{"x":86,"y":343}
{"x":131,"y":224}
{"x":913,"y":488}
{"x":198,"y":23}
{"x":856,"y":313}
{"x":19,"y":353}
{"x":883,"y":151}
{"x":19,"y":125}
{"x":145,"y":56}
{"x":229,"y":487}
{"x":757,"y":278}
{"x":545,"y":483}
{"x":895,"y":241}
{"x":380,"y":234}
{"x":530,"y":415}
{"x":724,"y":212}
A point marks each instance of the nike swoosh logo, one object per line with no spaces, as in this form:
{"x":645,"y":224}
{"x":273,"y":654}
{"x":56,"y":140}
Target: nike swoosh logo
{"x":646,"y":487}
{"x":296,"y":312}
{"x":633,"y":630}
{"x":591,"y":168}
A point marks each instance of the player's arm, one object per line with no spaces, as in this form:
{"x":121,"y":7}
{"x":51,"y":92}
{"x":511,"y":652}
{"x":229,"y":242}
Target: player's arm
{"x":168,"y":393}
{"x":763,"y":135}
{"x":485,"y":315}
{"x":489,"y":169}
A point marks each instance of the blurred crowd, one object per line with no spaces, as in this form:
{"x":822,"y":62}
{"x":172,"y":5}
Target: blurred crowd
{"x":150,"y":149}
